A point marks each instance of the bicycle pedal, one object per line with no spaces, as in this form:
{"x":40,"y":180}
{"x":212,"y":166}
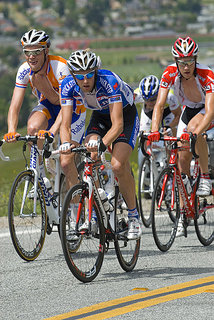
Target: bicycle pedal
{"x":49,"y":229}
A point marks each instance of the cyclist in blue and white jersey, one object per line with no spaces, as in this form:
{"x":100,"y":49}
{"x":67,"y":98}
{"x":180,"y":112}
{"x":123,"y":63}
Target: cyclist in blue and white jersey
{"x":146,"y":94}
{"x":114,"y":118}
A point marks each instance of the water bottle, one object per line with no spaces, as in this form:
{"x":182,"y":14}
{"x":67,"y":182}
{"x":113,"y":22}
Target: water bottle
{"x":104,"y":199}
{"x":186,"y":182}
{"x":48,"y":185}
{"x":109,"y":186}
{"x":106,"y":205}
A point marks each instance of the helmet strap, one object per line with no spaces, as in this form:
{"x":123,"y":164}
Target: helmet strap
{"x":95,"y":80}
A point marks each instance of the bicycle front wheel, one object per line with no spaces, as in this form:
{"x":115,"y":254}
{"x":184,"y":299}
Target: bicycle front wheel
{"x":27,"y":228}
{"x":165,"y":205}
{"x":145,"y":190}
{"x":83,"y":247}
{"x":204,"y":222}
{"x":127,"y":250}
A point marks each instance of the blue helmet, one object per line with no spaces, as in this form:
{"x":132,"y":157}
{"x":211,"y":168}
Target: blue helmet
{"x":149,"y":87}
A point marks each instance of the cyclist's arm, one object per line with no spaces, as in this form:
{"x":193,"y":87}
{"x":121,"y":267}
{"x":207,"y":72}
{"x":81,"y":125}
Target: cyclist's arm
{"x":159,"y":108}
{"x":65,"y":128}
{"x":116,"y":115}
{"x":209,"y":114}
{"x":55,"y":127}
{"x":177,"y":113}
{"x":15,"y":106}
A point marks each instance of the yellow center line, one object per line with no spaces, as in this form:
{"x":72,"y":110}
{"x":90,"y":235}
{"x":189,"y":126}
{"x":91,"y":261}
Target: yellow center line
{"x":112,"y":308}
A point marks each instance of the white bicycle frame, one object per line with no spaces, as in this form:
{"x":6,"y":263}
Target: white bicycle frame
{"x":52,"y":210}
{"x":153,"y":173}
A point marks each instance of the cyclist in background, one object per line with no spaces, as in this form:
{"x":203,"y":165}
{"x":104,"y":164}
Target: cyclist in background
{"x":194,"y":88}
{"x":147,"y":95}
{"x":114,"y":118}
{"x":44,"y":72}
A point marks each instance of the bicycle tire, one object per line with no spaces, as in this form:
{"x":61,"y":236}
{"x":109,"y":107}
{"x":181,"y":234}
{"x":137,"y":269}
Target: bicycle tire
{"x":127,"y":251}
{"x":27,"y":231}
{"x":163,"y":227}
{"x":204,"y":221}
{"x":86,"y":260}
{"x":143,"y":192}
{"x":61,"y":197}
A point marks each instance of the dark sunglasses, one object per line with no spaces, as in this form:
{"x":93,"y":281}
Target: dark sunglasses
{"x":88,"y":75}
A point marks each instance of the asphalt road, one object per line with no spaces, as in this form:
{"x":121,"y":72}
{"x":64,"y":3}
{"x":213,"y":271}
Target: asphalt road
{"x":46,"y":288}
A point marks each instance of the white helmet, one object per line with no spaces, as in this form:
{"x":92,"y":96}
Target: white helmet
{"x":149,"y":87}
{"x":34,"y":37}
{"x":83,"y":60}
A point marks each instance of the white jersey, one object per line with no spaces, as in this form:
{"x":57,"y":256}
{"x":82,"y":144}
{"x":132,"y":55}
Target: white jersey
{"x":146,"y":114}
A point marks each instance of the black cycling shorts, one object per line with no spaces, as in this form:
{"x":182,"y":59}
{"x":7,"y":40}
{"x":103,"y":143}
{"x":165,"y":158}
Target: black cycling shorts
{"x":101,"y":123}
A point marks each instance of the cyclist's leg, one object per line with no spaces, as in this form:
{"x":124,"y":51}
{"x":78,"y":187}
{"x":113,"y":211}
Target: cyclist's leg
{"x":42,"y":117}
{"x":205,"y":185}
{"x":184,"y":161}
{"x":68,"y":160}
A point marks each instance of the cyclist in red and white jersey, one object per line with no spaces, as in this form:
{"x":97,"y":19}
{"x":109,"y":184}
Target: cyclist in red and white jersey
{"x":44,"y":73}
{"x":194,"y":88}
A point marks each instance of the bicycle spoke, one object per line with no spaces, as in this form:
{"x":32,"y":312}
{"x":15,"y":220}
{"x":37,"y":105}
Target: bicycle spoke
{"x":204,"y":224}
{"x":27,"y":228}
{"x":164,"y":213}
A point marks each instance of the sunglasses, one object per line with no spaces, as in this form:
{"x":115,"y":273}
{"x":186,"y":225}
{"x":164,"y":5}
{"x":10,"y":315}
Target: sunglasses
{"x":187,"y":63}
{"x":34,"y":52}
{"x":88,"y":75}
{"x":152,"y":99}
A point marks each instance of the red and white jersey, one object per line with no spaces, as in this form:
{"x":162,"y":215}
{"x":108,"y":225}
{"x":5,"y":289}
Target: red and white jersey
{"x":57,"y":70}
{"x":204,"y":80}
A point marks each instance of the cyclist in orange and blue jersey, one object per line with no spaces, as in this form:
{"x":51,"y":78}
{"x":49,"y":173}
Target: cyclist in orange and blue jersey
{"x":44,"y":73}
{"x":114,"y":119}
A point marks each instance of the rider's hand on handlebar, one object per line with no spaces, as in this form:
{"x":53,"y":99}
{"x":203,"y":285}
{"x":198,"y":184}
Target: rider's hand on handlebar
{"x":41,"y":134}
{"x":65,"y":147}
{"x":92,"y":145}
{"x":185,"y":136}
{"x":154,"y":136}
{"x":11,"y":136}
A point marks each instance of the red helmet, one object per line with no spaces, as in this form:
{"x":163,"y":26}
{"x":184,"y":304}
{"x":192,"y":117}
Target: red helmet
{"x":184,"y":47}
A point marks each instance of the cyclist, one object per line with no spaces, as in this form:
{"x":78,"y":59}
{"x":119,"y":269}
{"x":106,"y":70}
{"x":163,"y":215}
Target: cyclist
{"x":114,"y":118}
{"x":147,"y":95}
{"x":194,"y":88}
{"x":44,"y":72}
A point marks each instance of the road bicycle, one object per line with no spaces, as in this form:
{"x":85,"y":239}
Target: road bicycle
{"x":153,"y":162}
{"x":33,"y":209}
{"x":165,"y":208}
{"x":106,"y":219}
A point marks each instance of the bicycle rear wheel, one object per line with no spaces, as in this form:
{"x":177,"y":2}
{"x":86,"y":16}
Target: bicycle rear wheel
{"x":127,"y":250}
{"x":145,"y":192}
{"x":165,"y":204}
{"x":204,"y":222}
{"x":83,"y":249}
{"x":27,"y":229}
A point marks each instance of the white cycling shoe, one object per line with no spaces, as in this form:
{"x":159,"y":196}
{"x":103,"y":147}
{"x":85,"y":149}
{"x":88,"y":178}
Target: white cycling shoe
{"x":134,"y":229}
{"x":204,"y":188}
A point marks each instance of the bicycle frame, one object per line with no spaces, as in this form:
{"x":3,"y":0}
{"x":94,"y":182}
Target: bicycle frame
{"x":51,"y":207}
{"x":188,"y":201}
{"x":89,"y":178}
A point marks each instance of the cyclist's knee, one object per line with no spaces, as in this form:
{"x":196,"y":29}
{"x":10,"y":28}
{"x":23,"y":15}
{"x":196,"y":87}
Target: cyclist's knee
{"x":119,"y":168}
{"x":67,"y":162}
